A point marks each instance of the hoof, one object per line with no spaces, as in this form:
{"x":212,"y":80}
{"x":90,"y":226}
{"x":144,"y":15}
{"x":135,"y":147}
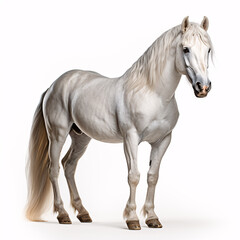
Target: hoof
{"x":85,"y":218}
{"x":154,"y":223}
{"x":64,"y":219}
{"x":133,"y":225}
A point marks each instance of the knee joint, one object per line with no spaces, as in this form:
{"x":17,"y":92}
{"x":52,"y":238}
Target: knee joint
{"x":133,"y":178}
{"x":152,"y":178}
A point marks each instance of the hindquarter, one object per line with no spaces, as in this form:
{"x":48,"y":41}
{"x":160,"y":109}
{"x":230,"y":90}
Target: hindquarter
{"x":57,"y":118}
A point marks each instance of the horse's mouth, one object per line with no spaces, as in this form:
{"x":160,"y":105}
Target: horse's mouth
{"x":200,"y":94}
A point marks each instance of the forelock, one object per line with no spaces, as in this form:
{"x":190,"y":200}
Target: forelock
{"x":196,"y":32}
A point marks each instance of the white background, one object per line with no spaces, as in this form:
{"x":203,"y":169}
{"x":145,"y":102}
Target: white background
{"x":197,"y":195}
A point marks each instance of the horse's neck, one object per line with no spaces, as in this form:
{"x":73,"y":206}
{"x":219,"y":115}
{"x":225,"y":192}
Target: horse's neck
{"x":155,"y":70}
{"x":167,"y":77}
{"x":168,"y":80}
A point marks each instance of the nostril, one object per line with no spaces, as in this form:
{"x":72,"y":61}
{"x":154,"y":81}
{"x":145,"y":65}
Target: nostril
{"x":210,"y":86}
{"x":199,"y":86}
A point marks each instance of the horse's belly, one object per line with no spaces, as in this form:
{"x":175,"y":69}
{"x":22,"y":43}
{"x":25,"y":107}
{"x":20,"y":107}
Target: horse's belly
{"x":104,"y":129}
{"x":104,"y":134}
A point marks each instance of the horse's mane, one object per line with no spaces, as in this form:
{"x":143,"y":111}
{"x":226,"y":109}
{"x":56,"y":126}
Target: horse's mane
{"x":148,"y":68}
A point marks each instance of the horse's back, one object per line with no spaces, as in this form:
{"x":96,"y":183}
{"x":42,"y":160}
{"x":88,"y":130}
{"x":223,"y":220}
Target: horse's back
{"x":73,"y":79}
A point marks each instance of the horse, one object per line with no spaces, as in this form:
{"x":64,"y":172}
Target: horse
{"x":138,"y":106}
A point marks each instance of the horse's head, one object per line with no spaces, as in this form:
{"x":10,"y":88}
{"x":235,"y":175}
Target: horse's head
{"x":193,"y":54}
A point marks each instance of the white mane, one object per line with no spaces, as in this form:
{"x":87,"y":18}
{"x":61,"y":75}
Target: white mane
{"x":148,"y":68}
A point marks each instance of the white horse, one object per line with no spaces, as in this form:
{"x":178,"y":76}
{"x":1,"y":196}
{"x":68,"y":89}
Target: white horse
{"x":138,"y":106}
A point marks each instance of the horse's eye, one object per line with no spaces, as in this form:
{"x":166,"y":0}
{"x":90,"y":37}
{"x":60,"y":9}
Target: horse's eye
{"x":186,"y":50}
{"x":209,"y":50}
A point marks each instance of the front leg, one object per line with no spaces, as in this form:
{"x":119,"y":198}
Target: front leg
{"x":157,"y":152}
{"x":131,"y":140}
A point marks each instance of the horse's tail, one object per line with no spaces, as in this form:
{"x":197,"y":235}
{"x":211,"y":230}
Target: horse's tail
{"x":37,"y":167}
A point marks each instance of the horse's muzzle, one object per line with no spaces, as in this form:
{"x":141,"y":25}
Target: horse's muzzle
{"x":201,"y":91}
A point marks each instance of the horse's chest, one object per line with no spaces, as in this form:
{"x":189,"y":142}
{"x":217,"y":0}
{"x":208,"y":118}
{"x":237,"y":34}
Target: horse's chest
{"x":157,"y":129}
{"x":160,"y":125}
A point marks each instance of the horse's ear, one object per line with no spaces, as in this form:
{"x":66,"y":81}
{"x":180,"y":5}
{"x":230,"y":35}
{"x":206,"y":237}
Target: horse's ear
{"x":185,"y":24}
{"x":205,"y":23}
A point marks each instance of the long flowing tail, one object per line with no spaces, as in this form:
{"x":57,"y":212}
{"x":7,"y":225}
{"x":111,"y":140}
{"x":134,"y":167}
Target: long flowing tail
{"x":37,"y":167}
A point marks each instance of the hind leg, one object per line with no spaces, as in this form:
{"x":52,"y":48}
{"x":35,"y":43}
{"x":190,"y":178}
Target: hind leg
{"x":58,"y":125}
{"x":69,"y":162}
{"x":55,"y":148}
